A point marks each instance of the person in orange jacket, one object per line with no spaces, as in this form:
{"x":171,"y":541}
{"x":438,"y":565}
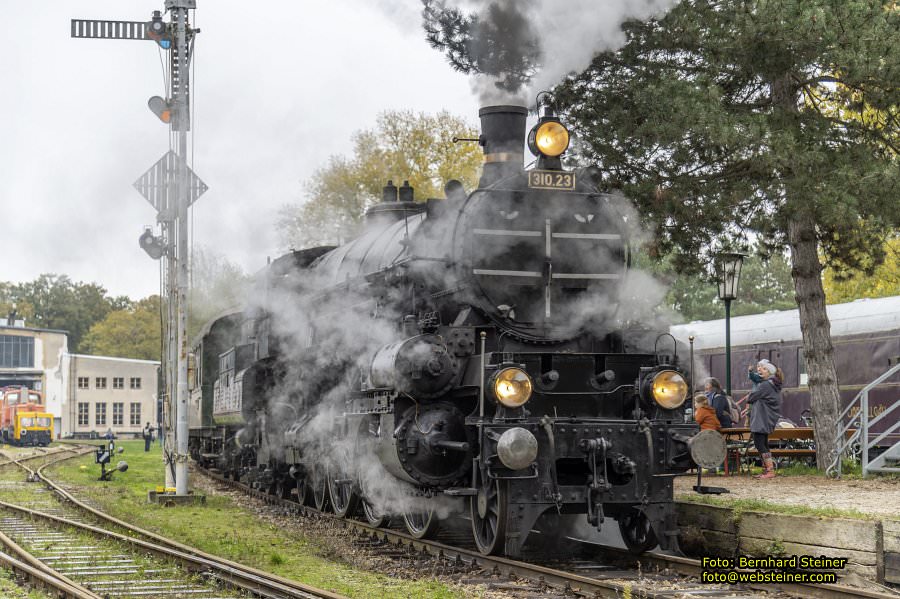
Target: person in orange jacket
{"x":704,"y":414}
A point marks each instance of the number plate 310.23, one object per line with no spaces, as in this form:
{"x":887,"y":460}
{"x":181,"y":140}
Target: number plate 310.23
{"x":551,"y":180}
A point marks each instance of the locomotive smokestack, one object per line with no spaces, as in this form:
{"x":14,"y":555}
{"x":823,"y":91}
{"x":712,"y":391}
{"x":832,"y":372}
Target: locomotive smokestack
{"x":503,"y":139}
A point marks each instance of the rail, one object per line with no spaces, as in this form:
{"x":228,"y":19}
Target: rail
{"x":858,"y":444}
{"x":563,"y":582}
{"x":238,"y":575}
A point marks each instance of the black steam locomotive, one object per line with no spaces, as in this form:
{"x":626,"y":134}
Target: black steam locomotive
{"x":462,"y":353}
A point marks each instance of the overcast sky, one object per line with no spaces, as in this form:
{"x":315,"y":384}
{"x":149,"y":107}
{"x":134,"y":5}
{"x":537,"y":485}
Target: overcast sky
{"x":278,"y":87}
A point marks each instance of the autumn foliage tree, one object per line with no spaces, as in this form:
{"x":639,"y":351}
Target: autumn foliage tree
{"x":53,"y":301}
{"x":719,"y":120}
{"x":402,"y":146}
{"x":132,"y":332}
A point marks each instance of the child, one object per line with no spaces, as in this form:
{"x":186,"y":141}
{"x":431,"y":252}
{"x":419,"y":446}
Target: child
{"x":704,"y":414}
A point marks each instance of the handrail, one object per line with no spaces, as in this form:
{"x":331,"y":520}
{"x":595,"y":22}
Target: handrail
{"x":862,"y":429}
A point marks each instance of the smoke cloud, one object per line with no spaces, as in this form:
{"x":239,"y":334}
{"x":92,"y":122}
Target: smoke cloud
{"x":516,"y":48}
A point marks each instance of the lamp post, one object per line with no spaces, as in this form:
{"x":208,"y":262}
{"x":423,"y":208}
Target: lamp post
{"x":728,"y":271}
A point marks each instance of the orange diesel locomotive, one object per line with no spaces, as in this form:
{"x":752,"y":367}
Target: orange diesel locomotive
{"x":23,"y":418}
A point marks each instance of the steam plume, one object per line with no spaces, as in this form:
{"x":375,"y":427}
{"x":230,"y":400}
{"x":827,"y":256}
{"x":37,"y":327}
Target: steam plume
{"x":518,"y":47}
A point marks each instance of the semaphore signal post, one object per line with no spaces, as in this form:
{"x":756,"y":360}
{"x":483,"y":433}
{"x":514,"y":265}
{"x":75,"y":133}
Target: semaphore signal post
{"x":170,"y":187}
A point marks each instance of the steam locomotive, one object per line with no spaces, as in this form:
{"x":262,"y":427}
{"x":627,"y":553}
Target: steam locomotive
{"x":465,"y":353}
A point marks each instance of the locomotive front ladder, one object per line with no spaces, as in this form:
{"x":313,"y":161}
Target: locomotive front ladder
{"x":862,"y":440}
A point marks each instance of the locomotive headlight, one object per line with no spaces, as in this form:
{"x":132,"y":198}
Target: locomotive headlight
{"x":549,"y":138}
{"x":669,"y":389}
{"x":512,"y":387}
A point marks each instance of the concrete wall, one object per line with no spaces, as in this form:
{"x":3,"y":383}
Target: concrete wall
{"x":871,"y":546}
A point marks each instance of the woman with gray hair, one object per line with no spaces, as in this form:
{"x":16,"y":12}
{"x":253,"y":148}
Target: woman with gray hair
{"x":765,"y":412}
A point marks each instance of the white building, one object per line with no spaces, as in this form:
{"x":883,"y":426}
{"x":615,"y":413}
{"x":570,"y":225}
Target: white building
{"x":110,"y":393}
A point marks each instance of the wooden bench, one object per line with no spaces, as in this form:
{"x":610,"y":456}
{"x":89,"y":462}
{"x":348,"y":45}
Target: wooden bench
{"x":739,"y":445}
{"x":785,"y":453}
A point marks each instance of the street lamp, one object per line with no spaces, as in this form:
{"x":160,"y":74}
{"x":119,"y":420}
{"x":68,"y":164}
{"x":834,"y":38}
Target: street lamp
{"x":728,"y":271}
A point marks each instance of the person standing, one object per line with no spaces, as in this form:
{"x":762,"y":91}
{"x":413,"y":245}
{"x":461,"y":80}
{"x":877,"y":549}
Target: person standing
{"x":718,"y":401}
{"x":148,"y":437}
{"x":765,"y":403}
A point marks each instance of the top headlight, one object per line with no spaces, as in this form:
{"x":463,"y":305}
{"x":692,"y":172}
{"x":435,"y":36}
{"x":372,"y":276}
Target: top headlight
{"x":549,"y":138}
{"x":669,"y":389}
{"x":512,"y":387}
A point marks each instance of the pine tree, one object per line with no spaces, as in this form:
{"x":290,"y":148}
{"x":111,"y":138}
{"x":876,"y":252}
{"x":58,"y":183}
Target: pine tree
{"x":719,"y":120}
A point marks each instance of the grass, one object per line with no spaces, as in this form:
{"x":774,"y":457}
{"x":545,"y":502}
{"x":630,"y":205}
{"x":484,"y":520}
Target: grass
{"x":760,"y":505}
{"x":10,"y":589}
{"x":223,"y":528}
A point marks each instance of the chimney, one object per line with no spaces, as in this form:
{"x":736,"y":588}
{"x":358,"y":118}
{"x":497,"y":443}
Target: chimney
{"x":503,"y":139}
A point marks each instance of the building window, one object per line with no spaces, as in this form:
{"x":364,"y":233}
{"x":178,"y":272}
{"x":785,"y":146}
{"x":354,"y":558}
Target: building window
{"x":100,"y":411}
{"x":118,"y":414}
{"x":84,"y":382}
{"x":16,"y":351}
{"x":82,"y":414}
{"x":135,"y":382}
{"x":100,"y":382}
{"x":118,"y":382}
{"x":135,"y":418}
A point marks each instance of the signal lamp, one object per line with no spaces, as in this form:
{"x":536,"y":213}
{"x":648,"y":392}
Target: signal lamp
{"x":548,"y":138}
{"x":512,"y":387}
{"x":154,"y":246}
{"x":669,"y":389}
{"x":161,"y":108}
{"x":158,"y":32}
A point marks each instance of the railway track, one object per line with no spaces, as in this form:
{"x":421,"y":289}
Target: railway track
{"x":613,"y":573}
{"x":81,"y":552}
{"x":609,"y":572}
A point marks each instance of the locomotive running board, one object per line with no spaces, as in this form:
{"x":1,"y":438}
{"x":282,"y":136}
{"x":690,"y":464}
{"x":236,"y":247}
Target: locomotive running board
{"x":461,"y":492}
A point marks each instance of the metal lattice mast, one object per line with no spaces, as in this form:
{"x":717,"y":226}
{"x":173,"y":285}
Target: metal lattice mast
{"x":179,"y":10}
{"x":170,"y":187}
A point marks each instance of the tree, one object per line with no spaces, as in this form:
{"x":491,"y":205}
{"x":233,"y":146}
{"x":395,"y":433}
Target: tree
{"x":717,"y":119}
{"x":132,"y":332}
{"x":765,"y":285}
{"x":883,"y":282}
{"x":403,"y":146}
{"x":55,"y":302}
{"x":217,"y":285}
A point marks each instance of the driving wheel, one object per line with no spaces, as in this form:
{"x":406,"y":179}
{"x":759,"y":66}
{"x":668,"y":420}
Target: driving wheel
{"x":488,"y":508}
{"x":319,"y":487}
{"x":373,"y":516}
{"x":344,"y":498}
{"x":283,"y":486}
{"x":303,"y":489}
{"x":421,"y":524}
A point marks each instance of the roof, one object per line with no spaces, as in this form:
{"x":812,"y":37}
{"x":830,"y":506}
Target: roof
{"x":114,"y":359}
{"x":5,"y":327}
{"x":858,"y":317}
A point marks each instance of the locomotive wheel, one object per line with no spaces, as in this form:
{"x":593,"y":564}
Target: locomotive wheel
{"x":344,"y":498}
{"x":636,"y":531}
{"x":303,"y":489}
{"x":319,"y":487}
{"x":488,"y":510}
{"x":373,"y":517}
{"x":283,"y":488}
{"x":421,"y":525}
